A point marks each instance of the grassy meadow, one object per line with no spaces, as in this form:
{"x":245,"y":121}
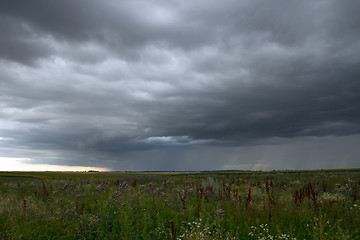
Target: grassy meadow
{"x":207,"y":205}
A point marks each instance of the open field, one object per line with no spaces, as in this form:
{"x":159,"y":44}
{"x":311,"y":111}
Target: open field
{"x":173,"y":205}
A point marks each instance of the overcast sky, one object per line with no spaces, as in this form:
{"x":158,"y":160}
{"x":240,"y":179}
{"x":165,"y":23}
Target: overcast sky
{"x":180,"y":85}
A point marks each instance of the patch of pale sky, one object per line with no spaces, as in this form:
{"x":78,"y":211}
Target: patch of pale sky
{"x":22,"y":164}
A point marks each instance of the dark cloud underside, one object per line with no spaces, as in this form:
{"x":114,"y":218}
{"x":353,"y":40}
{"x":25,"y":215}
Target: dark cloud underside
{"x":163,"y":84}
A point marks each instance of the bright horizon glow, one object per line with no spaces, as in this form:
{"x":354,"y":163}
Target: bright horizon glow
{"x":19,"y":164}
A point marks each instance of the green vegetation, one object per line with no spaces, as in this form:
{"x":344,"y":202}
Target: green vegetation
{"x":208,"y":205}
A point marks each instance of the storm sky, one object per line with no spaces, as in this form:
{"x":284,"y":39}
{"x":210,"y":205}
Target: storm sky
{"x":181,"y":85}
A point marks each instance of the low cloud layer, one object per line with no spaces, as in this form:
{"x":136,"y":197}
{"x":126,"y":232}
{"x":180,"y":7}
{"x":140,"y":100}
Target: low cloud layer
{"x":180,"y":84}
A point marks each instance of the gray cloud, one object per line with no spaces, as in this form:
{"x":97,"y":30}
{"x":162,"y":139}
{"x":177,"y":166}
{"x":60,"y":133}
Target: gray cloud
{"x":167,"y":84}
{"x":19,"y":42}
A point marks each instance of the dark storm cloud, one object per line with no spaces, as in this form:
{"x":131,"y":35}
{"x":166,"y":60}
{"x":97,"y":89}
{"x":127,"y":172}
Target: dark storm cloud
{"x":18,"y":42}
{"x":89,"y":82}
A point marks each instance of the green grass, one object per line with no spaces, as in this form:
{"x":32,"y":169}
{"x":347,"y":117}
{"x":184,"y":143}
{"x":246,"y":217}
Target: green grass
{"x":206,"y":205}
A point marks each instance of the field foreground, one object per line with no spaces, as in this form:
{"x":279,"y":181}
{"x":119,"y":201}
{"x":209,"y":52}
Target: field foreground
{"x":208,"y":205}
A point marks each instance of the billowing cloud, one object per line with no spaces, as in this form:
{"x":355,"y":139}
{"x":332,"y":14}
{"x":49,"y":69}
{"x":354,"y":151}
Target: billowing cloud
{"x":167,"y":84}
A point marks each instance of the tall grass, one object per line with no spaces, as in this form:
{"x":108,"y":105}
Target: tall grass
{"x":302,"y":205}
